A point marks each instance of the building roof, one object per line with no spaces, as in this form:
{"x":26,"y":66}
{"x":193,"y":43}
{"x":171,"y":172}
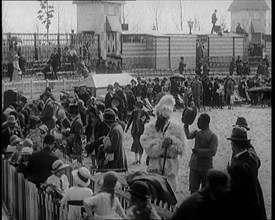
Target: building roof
{"x":97,"y":1}
{"x":257,"y":27}
{"x":239,"y":5}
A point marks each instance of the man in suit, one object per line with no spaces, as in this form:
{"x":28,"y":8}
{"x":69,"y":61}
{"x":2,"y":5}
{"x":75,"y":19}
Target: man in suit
{"x":40,"y":164}
{"x":122,"y":109}
{"x":55,"y":62}
{"x":11,"y":129}
{"x":46,"y":116}
{"x":246,"y":193}
{"x":109,"y":96}
{"x":214,"y":20}
{"x":74,"y":140}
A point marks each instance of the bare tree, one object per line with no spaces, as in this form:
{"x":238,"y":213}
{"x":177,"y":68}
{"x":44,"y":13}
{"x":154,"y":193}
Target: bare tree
{"x":126,"y":11}
{"x":135,"y":26}
{"x":36,"y":26}
{"x":156,"y":13}
{"x":59,"y":12}
{"x":179,"y":23}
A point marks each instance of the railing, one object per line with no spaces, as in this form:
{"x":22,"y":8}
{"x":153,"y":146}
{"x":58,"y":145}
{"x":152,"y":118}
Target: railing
{"x":26,"y":202}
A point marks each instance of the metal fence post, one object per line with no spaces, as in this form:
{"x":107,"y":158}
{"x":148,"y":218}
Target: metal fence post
{"x":31,"y":89}
{"x":64,"y":84}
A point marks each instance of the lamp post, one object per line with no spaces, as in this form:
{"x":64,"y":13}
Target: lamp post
{"x":190,"y":25}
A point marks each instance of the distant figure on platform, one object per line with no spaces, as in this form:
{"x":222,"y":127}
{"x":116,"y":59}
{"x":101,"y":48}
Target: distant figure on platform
{"x":55,"y":62}
{"x":181,"y":65}
{"x":239,"y":29}
{"x":11,"y":54}
{"x":214,"y":20}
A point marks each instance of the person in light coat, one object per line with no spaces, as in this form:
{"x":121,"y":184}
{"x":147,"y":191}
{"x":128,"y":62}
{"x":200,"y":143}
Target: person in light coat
{"x":163,"y":141}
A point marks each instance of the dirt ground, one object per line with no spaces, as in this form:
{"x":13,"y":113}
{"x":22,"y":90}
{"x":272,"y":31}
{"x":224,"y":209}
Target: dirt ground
{"x":259,"y":121}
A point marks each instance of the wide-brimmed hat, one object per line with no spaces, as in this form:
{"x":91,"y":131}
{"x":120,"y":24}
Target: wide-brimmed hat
{"x":109,"y":180}
{"x":8,"y":111}
{"x":239,"y":134}
{"x":116,"y":84}
{"x":58,"y":165}
{"x":49,"y":139}
{"x":109,"y":115}
{"x":44,"y":128}
{"x":26,"y":151}
{"x":14,"y":139}
{"x":27,"y":143}
{"x":140,"y":189}
{"x":241,"y":122}
{"x":11,"y":119}
{"x":189,"y":114}
{"x":133,"y":80}
{"x":82,"y":176}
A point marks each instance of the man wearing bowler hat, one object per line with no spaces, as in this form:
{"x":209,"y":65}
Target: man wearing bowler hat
{"x":74,"y":141}
{"x":206,"y":143}
{"x":246,"y":193}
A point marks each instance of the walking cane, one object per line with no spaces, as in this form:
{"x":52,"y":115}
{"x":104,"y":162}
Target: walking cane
{"x":164,"y":161}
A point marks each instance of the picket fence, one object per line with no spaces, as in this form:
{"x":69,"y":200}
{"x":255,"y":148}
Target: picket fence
{"x":25,"y":202}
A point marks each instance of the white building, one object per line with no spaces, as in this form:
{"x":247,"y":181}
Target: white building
{"x":103,"y":18}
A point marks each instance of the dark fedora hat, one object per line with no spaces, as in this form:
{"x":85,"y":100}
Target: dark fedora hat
{"x":110,"y":86}
{"x":241,"y":122}
{"x":189,"y":114}
{"x":49,"y":139}
{"x":239,"y":134}
{"x":140,"y":189}
{"x":109,"y":115}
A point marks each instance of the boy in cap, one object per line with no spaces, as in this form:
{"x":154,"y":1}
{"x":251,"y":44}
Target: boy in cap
{"x":246,"y":193}
{"x":138,"y":117}
{"x":206,"y":143}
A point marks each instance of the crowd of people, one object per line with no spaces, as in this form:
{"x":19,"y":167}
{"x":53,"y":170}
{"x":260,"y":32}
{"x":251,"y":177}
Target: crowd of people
{"x":65,"y":125}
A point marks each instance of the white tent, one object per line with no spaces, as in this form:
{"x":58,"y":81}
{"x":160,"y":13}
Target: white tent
{"x":99,"y":82}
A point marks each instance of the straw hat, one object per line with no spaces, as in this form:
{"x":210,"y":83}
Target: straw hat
{"x":58,"y":165}
{"x":44,"y":128}
{"x":14,"y":139}
{"x":82,"y":176}
{"x":26,"y":151}
{"x":11,"y":119}
{"x":27,"y":143}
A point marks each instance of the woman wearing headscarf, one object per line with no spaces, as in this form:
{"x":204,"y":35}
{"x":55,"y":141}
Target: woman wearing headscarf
{"x":104,"y":204}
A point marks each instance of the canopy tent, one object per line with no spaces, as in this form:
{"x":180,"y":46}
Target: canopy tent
{"x":99,"y":82}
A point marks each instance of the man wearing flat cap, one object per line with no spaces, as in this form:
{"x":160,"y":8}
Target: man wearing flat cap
{"x":46,"y":116}
{"x":246,"y":193}
{"x":74,"y":141}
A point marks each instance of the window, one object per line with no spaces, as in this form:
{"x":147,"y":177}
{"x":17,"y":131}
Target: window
{"x":126,"y":39}
{"x":149,"y":43}
{"x":136,"y":39}
{"x":111,"y":43}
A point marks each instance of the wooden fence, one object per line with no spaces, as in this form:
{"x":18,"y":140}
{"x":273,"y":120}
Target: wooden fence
{"x":26,"y":202}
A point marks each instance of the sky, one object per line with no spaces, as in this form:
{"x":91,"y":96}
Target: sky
{"x":21,"y":16}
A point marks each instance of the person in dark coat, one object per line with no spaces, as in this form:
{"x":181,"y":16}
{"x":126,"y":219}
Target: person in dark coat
{"x":109,"y":96}
{"x":138,"y":118}
{"x":40,"y":163}
{"x":74,"y":141}
{"x":134,"y":87}
{"x":122,"y":108}
{"x":11,"y":129}
{"x":131,"y":99}
{"x":113,"y":143}
{"x":214,"y":20}
{"x":207,"y":92}
{"x":55,"y":62}
{"x":182,"y":65}
{"x":232,"y":66}
{"x":246,"y":194}
{"x":210,"y":202}
{"x":46,"y":116}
